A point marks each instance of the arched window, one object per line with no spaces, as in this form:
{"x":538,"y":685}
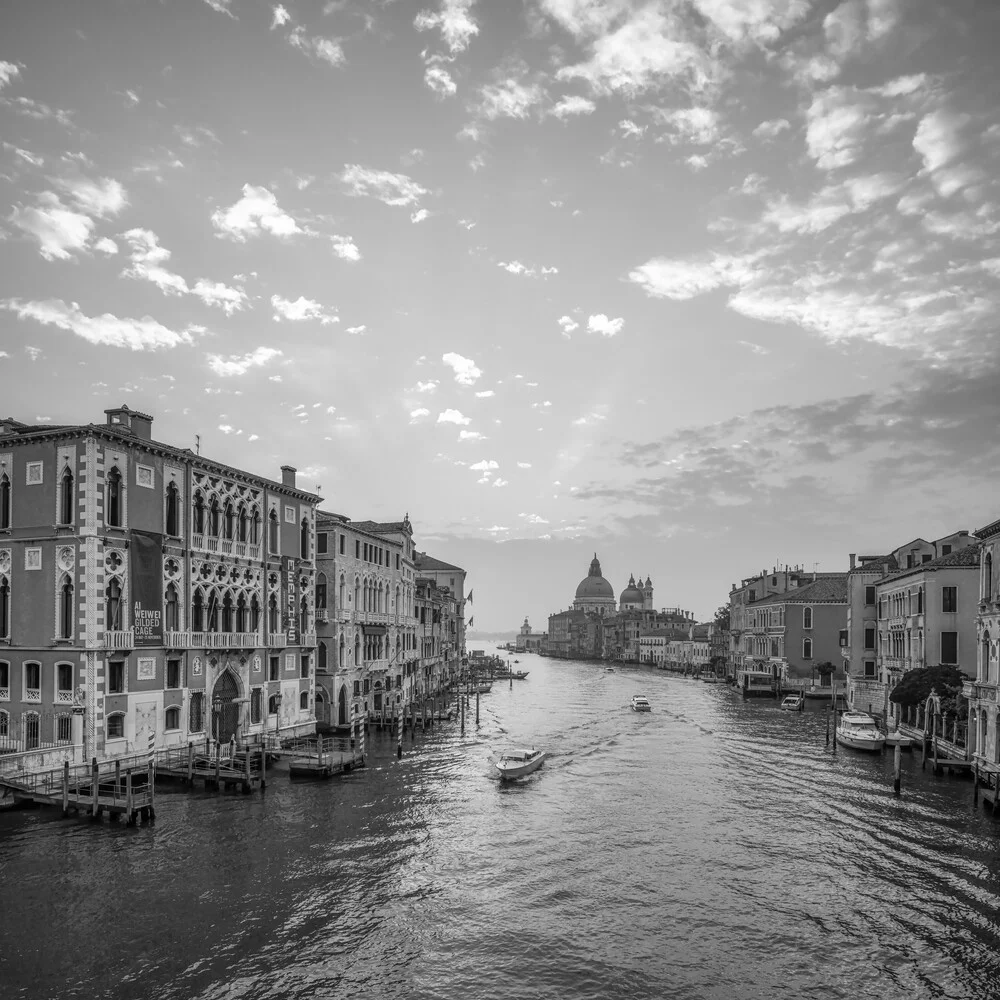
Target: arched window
{"x":357,"y":650}
{"x":214,"y":517}
{"x":272,"y":705}
{"x":807,"y":617}
{"x":66,"y":497}
{"x":196,"y":712}
{"x":4,"y":725}
{"x":341,"y":593}
{"x":116,"y":499}
{"x":340,"y":654}
{"x":255,"y":527}
{"x":357,"y":594}
{"x":113,"y":606}
{"x":198,"y":612}
{"x":227,"y":613}
{"x":984,"y":673}
{"x":321,"y":592}
{"x":304,"y":538}
{"x":173,"y":509}
{"x":988,"y":577}
{"x":241,"y":614}
{"x":171,"y":609}
{"x":212,"y":612}
{"x":272,"y":532}
{"x":198,"y":506}
{"x":807,"y":649}
{"x":273,"y":621}
{"x":254,"y":613}
{"x":4,"y":608}
{"x":4,"y":501}
{"x":304,"y":615}
{"x":304,"y":701}
{"x":66,"y":608}
{"x":243,"y":523}
{"x":172,"y":718}
{"x":321,"y":657}
{"x":116,"y":726}
{"x":230,"y":520}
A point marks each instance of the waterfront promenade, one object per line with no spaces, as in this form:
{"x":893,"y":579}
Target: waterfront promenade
{"x":713,"y":848}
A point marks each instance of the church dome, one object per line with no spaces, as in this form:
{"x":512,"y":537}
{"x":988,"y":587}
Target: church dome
{"x":631,"y":594}
{"x":593,"y":585}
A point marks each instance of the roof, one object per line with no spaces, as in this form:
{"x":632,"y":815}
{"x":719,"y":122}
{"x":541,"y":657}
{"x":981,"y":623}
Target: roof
{"x":422,"y":560}
{"x":967,"y":557}
{"x":824,"y":590}
{"x":991,"y":529}
{"x":381,"y":526}
{"x":874,"y":564}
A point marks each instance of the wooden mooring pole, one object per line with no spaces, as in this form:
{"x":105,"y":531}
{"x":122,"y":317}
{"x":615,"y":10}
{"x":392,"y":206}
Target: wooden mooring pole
{"x":975,"y":783}
{"x":897,"y":758}
{"x":461,"y":706}
{"x":828,"y":728}
{"x":95,"y":789}
{"x":151,"y":786}
{"x":65,"y":788}
{"x":477,"y":707}
{"x":263,"y":765}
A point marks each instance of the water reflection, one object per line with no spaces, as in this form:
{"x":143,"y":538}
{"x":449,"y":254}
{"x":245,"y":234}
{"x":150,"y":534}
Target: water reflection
{"x":713,"y":848}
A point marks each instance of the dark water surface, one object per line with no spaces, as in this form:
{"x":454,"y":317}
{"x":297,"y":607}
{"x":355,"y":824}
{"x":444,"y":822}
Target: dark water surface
{"x":713,"y":848}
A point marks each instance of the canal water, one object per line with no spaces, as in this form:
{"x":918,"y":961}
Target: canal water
{"x":713,"y":848}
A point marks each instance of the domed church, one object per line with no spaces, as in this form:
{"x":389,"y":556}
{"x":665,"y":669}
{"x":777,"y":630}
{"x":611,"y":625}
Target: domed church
{"x":637,"y":596}
{"x":594,"y":593}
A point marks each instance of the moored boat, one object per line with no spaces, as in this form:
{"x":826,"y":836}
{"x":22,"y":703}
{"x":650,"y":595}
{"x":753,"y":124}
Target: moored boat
{"x":517,"y":763}
{"x":897,"y":739}
{"x":858,"y":731}
{"x":640,"y":703}
{"x":792,"y":703}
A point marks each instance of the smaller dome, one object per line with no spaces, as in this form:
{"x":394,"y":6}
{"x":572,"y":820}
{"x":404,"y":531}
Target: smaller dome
{"x":631,"y":594}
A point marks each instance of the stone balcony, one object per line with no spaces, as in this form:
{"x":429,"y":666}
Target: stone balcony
{"x":226,"y":546}
{"x":119,"y":639}
{"x":212,"y":640}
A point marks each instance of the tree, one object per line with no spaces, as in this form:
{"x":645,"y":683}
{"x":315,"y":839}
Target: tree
{"x":721,"y":618}
{"x":826,"y":668}
{"x":916,"y":685}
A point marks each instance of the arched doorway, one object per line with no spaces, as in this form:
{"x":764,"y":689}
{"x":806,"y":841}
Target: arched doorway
{"x":342,"y":706}
{"x":225,"y":709}
{"x":321,"y":705}
{"x":377,"y":704}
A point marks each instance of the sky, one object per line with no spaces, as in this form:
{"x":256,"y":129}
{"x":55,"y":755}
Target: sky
{"x":703,"y":286}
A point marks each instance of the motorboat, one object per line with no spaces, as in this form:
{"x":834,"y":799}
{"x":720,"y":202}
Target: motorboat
{"x":640,"y":703}
{"x":609,"y":670}
{"x":792,"y":703}
{"x":482,"y":688}
{"x":858,"y":731}
{"x":517,"y":661}
{"x":897,"y":739}
{"x":517,"y":763}
{"x":518,"y":675}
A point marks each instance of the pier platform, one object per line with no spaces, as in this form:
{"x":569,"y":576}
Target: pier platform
{"x":323,"y":757}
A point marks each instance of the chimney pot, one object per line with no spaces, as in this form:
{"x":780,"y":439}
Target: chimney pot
{"x":853,"y":557}
{"x":288,"y":476}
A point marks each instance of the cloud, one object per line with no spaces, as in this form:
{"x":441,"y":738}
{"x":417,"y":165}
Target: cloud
{"x":99,"y":198}
{"x":567,"y":324}
{"x":454,"y":21}
{"x":221,"y":7}
{"x":280,"y":17}
{"x":769,"y":129}
{"x":415,"y":415}
{"x":678,"y":279}
{"x":301,"y":309}
{"x":356,"y":330}
{"x":471,"y":436}
{"x":698,"y":125}
{"x":452,"y":417}
{"x":524,"y":465}
{"x":604,"y":326}
{"x":106,"y":245}
{"x":419,"y":215}
{"x":485,"y":394}
{"x":516,"y":267}
{"x":327,"y":50}
{"x":533,"y":518}
{"x":498,"y":482}
{"x":629,"y":128}
{"x":144,"y":334}
{"x":437,"y":78}
{"x":237,"y":364}
{"x":429,"y":386}
{"x":57,"y":227}
{"x":509,"y":96}
{"x":389,"y":188}
{"x":8,"y":71}
{"x":485,"y":465}
{"x":256,"y":212}
{"x":38,"y":111}
{"x":572,"y":106}
{"x":466,"y":372}
{"x":345,"y":248}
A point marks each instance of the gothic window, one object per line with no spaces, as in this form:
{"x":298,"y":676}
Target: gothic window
{"x":173,"y":509}
{"x":357,"y":594}
{"x":341,"y":593}
{"x":4,"y":501}
{"x":304,"y":539}
{"x":198,"y":612}
{"x":213,"y":612}
{"x":199,"y":512}
{"x":66,"y":608}
{"x":214,"y":518}
{"x":113,"y":606}
{"x":272,"y":529}
{"x":230,"y":520}
{"x":321,"y":658}
{"x":340,"y":654}
{"x":273,"y":621}
{"x":227,"y":613}
{"x":66,"y":498}
{"x":4,"y":608}
{"x":357,"y":650}
{"x":171,"y":617}
{"x":321,"y":592}
{"x":987,"y":576}
{"x":241,"y":614}
{"x":255,"y":528}
{"x":304,"y":616}
{"x":116,"y":499}
{"x":244,"y":523}
{"x":254,"y":614}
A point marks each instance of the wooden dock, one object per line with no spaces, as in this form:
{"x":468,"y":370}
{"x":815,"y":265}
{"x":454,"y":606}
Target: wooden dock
{"x":221,"y":767}
{"x":323,"y":757}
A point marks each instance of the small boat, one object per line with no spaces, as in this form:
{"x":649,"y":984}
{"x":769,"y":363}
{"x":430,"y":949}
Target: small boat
{"x":897,"y":739}
{"x":858,"y":731}
{"x":609,"y":670}
{"x":518,"y":675}
{"x":709,"y":677}
{"x":483,"y":689}
{"x":792,"y":703}
{"x":640,"y":703}
{"x":517,"y":661}
{"x":517,"y":763}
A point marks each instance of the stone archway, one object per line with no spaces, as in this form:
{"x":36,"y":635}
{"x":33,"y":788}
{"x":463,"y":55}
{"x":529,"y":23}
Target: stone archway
{"x":225,"y":706}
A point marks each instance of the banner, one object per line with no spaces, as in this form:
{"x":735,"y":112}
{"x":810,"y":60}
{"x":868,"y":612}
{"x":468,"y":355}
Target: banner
{"x":146,"y":586}
{"x":291,"y":589}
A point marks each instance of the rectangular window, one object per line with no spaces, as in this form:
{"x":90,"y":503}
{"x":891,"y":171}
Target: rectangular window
{"x":926,"y":557}
{"x":368,"y":685}
{"x":357,"y":549}
{"x":5,"y":677}
{"x":869,"y":595}
{"x":357,"y":688}
{"x":174,"y":674}
{"x":321,"y":543}
{"x":343,"y":543}
{"x":64,"y":729}
{"x":870,"y":671}
{"x":946,"y":550}
{"x":256,"y":704}
{"x":949,"y":599}
{"x":949,"y":647}
{"x":304,"y":665}
{"x":909,"y":562}
{"x":33,"y":473}
{"x":116,"y":677}
{"x":274,"y":668}
{"x":869,"y":637}
{"x":196,"y":715}
{"x":397,"y":560}
{"x":364,"y":552}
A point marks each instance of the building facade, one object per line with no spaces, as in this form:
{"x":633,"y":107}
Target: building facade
{"x":148,"y":595}
{"x":984,"y":704}
{"x":527,"y":641}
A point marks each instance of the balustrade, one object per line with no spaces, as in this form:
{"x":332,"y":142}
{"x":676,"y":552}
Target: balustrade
{"x":5,"y":694}
{"x":307,"y":639}
{"x":119,"y":639}
{"x":32,"y":694}
{"x":64,"y":697}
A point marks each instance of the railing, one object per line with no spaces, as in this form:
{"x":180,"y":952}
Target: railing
{"x":307,"y":639}
{"x":343,"y":615}
{"x":64,"y":697}
{"x":32,"y":694}
{"x":373,"y":665}
{"x":225,"y":640}
{"x":321,"y":615}
{"x":277,"y":639}
{"x":5,"y":694}
{"x":119,"y":639}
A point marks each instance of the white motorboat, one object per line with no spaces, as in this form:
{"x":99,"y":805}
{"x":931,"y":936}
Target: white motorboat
{"x":517,"y":763}
{"x":640,"y":703}
{"x":858,"y":731}
{"x":792,"y":703}
{"x":897,"y":739}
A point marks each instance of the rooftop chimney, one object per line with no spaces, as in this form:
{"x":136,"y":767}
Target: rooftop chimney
{"x":853,"y":557}
{"x":288,"y":476}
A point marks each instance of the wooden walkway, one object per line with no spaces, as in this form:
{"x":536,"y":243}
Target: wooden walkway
{"x":323,"y":757}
